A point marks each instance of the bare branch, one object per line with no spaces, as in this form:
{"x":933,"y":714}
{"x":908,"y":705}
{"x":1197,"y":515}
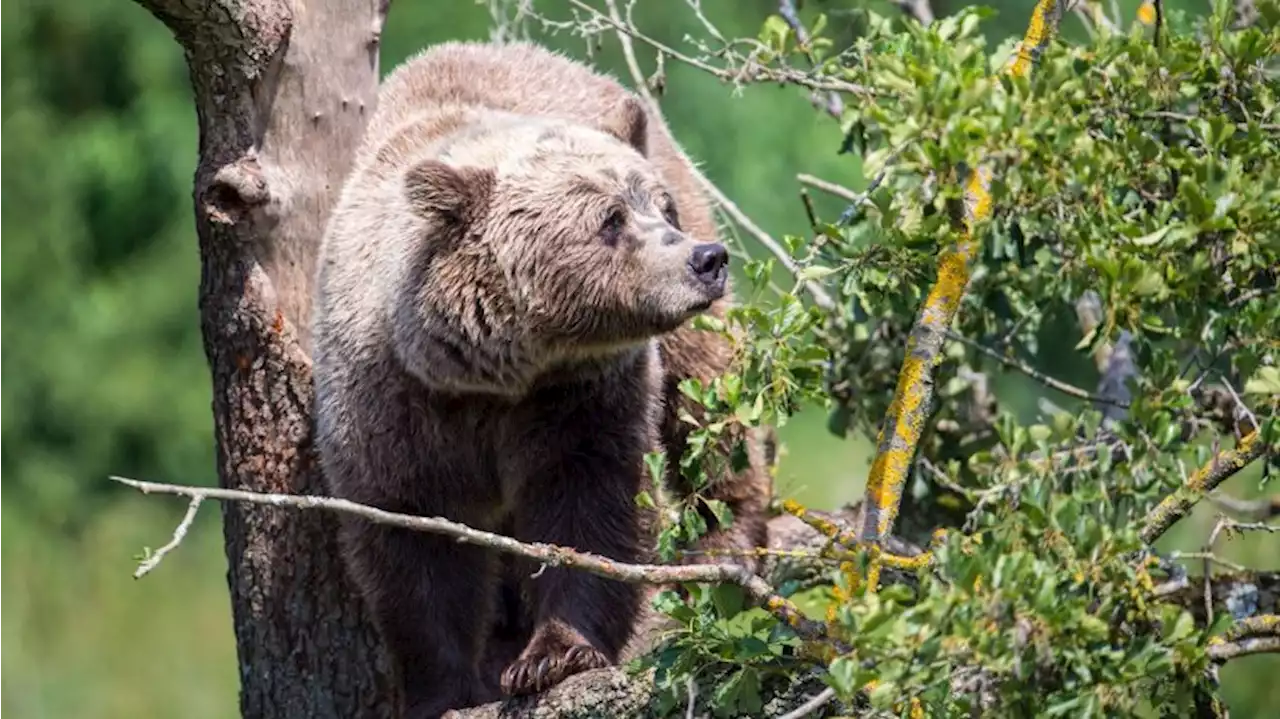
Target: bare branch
{"x":1093,"y":18}
{"x":787,"y":9}
{"x":820,"y":296}
{"x":1240,"y":594}
{"x":1224,"y":465}
{"x":814,"y":704}
{"x":1258,"y":509}
{"x":918,"y":9}
{"x":749,"y":72}
{"x":832,"y":188}
{"x":179,"y":534}
{"x":549,"y":554}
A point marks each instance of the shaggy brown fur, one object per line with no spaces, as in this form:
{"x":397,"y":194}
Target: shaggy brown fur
{"x":504,"y":291}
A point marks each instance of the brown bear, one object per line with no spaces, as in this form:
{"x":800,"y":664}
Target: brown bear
{"x":504,"y":295}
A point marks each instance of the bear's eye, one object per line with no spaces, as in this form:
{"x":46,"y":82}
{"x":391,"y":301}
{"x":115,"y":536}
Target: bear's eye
{"x":611,"y":230}
{"x":669,"y":211}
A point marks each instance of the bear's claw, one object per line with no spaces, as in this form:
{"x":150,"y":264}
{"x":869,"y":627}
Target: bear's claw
{"x":542,"y":670}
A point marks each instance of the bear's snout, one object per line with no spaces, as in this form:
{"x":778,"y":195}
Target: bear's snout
{"x":709,"y":263}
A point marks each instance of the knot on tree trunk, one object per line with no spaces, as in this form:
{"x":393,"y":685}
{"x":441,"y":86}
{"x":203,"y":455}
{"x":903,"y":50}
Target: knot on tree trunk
{"x":235,"y":188}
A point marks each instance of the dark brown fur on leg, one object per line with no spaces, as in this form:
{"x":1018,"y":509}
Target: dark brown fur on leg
{"x":584,"y":498}
{"x":434,"y":625}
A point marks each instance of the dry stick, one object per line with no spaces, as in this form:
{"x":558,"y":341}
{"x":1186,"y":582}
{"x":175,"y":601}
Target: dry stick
{"x":819,"y":295}
{"x":814,"y":704}
{"x":1224,"y":465}
{"x":832,"y":188}
{"x":179,"y":534}
{"x":549,"y":554}
{"x":1263,"y":508}
{"x":904,"y":421}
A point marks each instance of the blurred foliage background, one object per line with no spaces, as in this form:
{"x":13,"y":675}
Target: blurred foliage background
{"x":104,"y":372}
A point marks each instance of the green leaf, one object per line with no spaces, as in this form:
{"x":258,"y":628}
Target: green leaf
{"x":1153,"y":238}
{"x":645,"y":500}
{"x":842,"y":675}
{"x":814,"y":272}
{"x":1266,"y":381}
{"x":728,"y":599}
{"x":656,"y":462}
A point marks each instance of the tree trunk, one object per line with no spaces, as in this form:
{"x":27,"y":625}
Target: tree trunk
{"x":283,"y":91}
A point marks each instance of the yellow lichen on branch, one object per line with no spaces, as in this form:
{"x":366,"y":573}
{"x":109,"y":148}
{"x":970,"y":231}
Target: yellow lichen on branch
{"x":912,"y":398}
{"x":1205,"y":479}
{"x":1044,"y":22}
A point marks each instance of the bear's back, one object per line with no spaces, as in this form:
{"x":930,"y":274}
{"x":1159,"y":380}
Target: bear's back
{"x":520,"y":78}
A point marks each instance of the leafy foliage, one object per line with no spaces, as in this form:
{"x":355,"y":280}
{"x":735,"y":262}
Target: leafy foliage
{"x":1136,"y":220}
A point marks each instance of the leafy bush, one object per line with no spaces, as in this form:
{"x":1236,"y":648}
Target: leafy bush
{"x":1135,"y":220}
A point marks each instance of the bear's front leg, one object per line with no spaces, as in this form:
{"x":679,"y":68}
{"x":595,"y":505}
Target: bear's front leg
{"x":581,"y":621}
{"x":432,"y":600}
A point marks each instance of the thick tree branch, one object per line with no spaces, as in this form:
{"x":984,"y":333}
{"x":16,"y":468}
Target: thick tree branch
{"x":1224,"y":465}
{"x":914,"y":395}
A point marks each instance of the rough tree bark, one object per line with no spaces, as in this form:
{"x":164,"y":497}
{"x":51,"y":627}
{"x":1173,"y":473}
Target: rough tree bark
{"x":282,"y":91}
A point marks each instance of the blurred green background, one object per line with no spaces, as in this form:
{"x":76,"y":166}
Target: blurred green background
{"x":103,"y":367}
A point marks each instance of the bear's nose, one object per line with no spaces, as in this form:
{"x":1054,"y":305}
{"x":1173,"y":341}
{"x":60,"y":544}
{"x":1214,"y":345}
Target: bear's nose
{"x":708,"y":261}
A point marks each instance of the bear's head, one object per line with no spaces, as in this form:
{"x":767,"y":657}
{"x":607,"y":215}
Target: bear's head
{"x":544,"y":242}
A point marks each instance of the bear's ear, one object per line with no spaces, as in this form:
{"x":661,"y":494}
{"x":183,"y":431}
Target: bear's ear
{"x":629,"y":122}
{"x":458,"y":193}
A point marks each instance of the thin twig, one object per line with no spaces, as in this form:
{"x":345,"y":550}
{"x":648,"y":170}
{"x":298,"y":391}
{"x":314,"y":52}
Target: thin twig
{"x":550,"y":554}
{"x":1264,"y":508}
{"x":1209,"y":557}
{"x":1035,"y":374}
{"x":820,"y":296}
{"x":787,"y":9}
{"x":1208,"y":567}
{"x":918,"y":9}
{"x":692,"y":687}
{"x":745,"y":74}
{"x":813,"y":704}
{"x":829,"y":187}
{"x":179,"y":534}
{"x":1241,"y":407}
